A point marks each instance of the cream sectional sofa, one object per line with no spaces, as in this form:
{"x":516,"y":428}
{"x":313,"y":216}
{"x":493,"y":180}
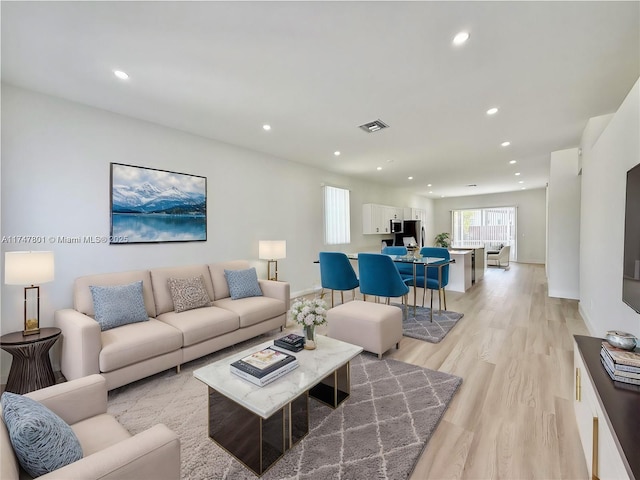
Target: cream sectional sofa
{"x":134,"y":351}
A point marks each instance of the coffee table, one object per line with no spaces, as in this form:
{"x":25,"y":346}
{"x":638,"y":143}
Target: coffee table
{"x":257,"y":425}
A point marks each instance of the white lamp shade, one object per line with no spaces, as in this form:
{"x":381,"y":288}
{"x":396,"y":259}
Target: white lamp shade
{"x":272,"y":249}
{"x":28,"y":268}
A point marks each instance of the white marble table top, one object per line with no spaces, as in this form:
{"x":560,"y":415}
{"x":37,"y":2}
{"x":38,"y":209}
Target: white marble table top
{"x":314,"y":365}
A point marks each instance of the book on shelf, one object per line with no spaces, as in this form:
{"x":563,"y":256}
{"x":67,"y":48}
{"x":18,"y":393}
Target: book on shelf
{"x":291,"y":342}
{"x":618,"y":378}
{"x":615,"y":368}
{"x":630,"y":358}
{"x":266,"y":379}
{"x":263,"y":362}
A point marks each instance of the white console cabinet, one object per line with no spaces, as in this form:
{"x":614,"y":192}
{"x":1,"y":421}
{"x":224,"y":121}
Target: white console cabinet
{"x":595,"y":401}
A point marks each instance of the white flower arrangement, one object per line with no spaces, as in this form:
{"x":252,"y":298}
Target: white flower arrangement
{"x":309,"y":312}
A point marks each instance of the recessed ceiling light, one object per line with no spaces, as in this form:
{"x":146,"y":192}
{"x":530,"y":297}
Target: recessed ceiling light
{"x":379,"y":168}
{"x":441,"y":196}
{"x":336,"y":153}
{"x":120,"y":74}
{"x":523,"y":188}
{"x":429,"y":185}
{"x":505,"y":144}
{"x":521,"y":181}
{"x":409,"y":178}
{"x":517,"y":174}
{"x":460,"y":38}
{"x":266,"y":127}
{"x":492,"y":111}
{"x":513,"y":161}
{"x":430,"y":191}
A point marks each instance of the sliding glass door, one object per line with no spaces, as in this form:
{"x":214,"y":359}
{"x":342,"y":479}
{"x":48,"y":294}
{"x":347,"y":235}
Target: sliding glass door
{"x":483,"y":227}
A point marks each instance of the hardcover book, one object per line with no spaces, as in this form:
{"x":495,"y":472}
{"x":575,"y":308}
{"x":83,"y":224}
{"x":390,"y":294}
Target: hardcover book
{"x":266,"y":379}
{"x":618,"y":378}
{"x":623,"y":357}
{"x":291,"y":342}
{"x":615,"y":367}
{"x":263,"y":362}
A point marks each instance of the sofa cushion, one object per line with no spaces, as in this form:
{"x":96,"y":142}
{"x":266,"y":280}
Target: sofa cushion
{"x":136,"y":342}
{"x":161,"y":290}
{"x":216,"y":270}
{"x":253,"y":310}
{"x":202,"y":323}
{"x":188,"y":293}
{"x":41,"y":440}
{"x":243,"y":283}
{"x":99,"y":432}
{"x":83,"y":300}
{"x":118,"y":305}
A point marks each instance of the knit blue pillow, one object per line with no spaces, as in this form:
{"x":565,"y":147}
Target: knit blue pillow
{"x":243,"y":283}
{"x":41,"y":440}
{"x":118,"y":305}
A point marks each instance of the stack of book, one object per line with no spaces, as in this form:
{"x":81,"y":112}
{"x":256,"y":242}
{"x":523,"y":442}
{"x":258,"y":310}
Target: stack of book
{"x":623,"y":366}
{"x":264,"y":366}
{"x":292,"y":342}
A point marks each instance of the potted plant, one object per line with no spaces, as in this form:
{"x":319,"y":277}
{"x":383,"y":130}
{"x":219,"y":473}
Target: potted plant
{"x":442,"y":240}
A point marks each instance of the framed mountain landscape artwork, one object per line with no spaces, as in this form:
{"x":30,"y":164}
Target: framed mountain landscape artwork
{"x":150,"y":205}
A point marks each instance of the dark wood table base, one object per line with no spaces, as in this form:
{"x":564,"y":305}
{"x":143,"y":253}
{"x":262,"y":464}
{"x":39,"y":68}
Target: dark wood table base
{"x":31,"y":367}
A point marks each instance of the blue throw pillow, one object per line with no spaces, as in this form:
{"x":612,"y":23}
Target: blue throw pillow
{"x":118,"y":305}
{"x":243,"y":283}
{"x":41,"y":440}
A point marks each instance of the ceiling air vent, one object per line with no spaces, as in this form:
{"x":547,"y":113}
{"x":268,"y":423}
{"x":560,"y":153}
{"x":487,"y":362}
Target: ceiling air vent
{"x":374,"y":126}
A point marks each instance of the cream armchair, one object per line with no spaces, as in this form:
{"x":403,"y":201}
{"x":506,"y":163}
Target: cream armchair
{"x":501,"y":258}
{"x":110,"y":452}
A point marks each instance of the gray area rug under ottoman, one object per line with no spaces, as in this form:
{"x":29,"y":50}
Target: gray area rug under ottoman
{"x":379,"y":432}
{"x":420,"y":326}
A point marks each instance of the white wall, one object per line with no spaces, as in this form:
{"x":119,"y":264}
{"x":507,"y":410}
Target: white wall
{"x":530,"y":225}
{"x":607,"y":154}
{"x":55,"y":182}
{"x":563,"y":223}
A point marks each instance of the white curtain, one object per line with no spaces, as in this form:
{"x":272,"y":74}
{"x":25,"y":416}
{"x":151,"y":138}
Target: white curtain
{"x":337,"y":220}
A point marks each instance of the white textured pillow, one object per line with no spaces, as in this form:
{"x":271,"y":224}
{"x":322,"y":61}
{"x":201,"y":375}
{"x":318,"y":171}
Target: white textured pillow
{"x":188,"y":293}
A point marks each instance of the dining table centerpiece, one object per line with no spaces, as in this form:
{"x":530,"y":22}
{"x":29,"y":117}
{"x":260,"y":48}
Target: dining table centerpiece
{"x":309,"y":313}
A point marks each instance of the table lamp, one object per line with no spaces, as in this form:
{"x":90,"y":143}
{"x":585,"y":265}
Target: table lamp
{"x":272,"y":251}
{"x":29,"y":268}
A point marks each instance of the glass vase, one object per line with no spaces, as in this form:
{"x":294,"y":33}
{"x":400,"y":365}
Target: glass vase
{"x":310,"y":337}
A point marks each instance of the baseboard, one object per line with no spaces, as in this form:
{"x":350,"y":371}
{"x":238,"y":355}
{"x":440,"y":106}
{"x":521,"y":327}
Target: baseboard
{"x":586,"y":319}
{"x":564,"y":294}
{"x":308,"y":291}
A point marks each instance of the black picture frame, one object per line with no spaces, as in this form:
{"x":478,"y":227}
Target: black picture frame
{"x":149,"y":205}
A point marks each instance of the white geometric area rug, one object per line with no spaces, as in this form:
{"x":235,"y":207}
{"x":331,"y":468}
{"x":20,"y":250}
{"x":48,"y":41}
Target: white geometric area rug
{"x":379,"y":432}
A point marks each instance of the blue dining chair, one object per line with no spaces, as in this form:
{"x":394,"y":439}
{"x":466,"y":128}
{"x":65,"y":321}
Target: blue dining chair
{"x":405,"y":269}
{"x":380,"y":277}
{"x":437,"y":276}
{"x":337,"y":273}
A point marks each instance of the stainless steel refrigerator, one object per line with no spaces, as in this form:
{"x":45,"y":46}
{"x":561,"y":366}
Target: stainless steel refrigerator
{"x":412,"y":229}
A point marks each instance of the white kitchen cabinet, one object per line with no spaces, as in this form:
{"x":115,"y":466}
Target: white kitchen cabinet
{"x":604,"y":459}
{"x":414,"y":214}
{"x":376,"y":219}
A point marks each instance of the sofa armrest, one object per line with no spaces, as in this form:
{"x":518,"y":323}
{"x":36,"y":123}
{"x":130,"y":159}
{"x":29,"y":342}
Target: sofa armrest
{"x":81,"y":343}
{"x":153,"y":453}
{"x":75,"y":400}
{"x":277,"y":290}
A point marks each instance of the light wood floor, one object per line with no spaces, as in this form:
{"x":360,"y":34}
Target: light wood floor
{"x":512,"y":418}
{"x":513,"y":415}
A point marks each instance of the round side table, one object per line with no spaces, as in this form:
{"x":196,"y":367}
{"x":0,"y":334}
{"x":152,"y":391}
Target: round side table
{"x":31,"y":366}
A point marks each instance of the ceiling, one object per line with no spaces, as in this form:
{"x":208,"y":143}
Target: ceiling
{"x":315,"y":71}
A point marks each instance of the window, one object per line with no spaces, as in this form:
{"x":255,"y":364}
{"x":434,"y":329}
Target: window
{"x":337,"y":221}
{"x":485,"y":226}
